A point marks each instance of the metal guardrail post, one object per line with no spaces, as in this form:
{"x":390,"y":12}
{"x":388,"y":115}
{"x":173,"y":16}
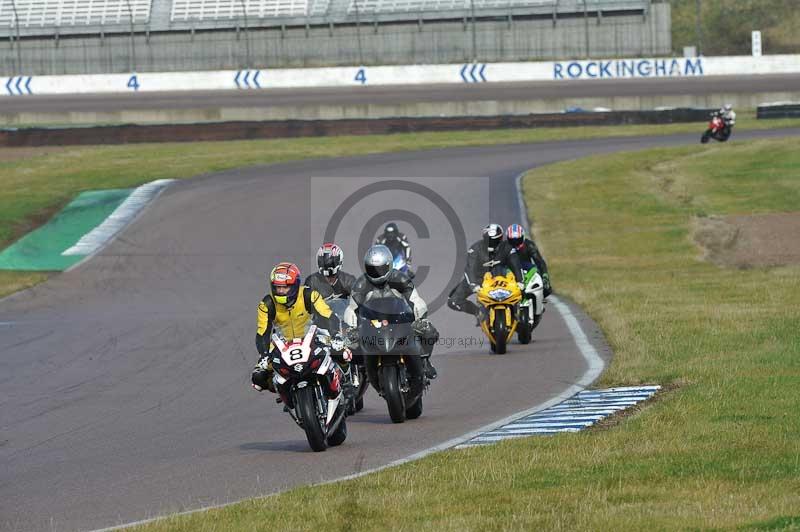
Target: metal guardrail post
{"x":246,"y":35}
{"x":133,"y":39}
{"x":586,"y":26}
{"x":698,"y":27}
{"x":358,"y":35}
{"x":18,"y":43}
{"x":474,"y":33}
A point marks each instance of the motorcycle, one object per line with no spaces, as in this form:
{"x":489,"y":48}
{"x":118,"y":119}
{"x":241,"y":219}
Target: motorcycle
{"x":500,"y":296}
{"x":301,"y":377}
{"x":391,"y":353}
{"x":399,"y":263}
{"x":531,"y":308}
{"x":356,"y":382}
{"x":718,"y":129}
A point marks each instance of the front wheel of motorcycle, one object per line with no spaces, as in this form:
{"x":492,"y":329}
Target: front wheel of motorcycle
{"x":500,"y":332}
{"x":307,"y":409}
{"x":339,"y":435}
{"x":415,"y":410}
{"x":524,"y":328}
{"x":390,"y":384}
{"x":706,"y":136}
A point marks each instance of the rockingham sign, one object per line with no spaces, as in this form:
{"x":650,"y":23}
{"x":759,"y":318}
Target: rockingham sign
{"x":629,"y":68}
{"x":24,"y":84}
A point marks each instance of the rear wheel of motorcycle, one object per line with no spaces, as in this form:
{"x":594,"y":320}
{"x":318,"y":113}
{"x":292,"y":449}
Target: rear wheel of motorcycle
{"x":307,"y":408}
{"x":500,"y":333}
{"x":390,"y":384}
{"x":415,"y":410}
{"x":339,"y":435}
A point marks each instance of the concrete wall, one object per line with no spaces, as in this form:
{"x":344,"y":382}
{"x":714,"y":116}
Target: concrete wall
{"x":743,"y":101}
{"x":430,"y":43}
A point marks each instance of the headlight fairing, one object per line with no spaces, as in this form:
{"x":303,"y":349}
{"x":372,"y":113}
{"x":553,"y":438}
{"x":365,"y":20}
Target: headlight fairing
{"x":499,"y":294}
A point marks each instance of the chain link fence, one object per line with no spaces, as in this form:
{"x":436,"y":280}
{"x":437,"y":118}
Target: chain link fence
{"x":555,"y":29}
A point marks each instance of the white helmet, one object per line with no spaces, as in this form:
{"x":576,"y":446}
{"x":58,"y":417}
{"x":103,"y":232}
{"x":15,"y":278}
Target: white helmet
{"x":728,"y":107}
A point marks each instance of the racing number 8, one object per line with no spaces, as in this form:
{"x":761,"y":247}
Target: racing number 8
{"x":295,"y":354}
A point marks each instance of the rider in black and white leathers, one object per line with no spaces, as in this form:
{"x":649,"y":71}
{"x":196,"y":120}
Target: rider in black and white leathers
{"x":393,"y":283}
{"x":340,"y":288}
{"x":483,"y":256}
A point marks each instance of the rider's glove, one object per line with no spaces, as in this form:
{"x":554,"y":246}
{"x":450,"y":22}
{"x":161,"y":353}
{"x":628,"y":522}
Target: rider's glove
{"x":421,"y":326}
{"x":352,"y":337}
{"x":337,"y":342}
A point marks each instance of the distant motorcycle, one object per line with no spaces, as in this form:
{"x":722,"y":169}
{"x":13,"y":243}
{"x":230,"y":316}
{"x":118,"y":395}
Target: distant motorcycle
{"x":399,"y":263}
{"x":301,"y":372}
{"x":718,"y":129}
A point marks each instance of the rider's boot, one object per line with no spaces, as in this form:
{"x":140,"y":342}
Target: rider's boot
{"x":430,"y":371}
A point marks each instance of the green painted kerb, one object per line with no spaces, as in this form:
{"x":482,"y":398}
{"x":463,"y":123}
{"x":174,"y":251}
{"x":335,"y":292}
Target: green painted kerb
{"x":40,"y":250}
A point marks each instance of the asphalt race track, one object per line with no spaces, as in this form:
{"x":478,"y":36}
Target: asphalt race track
{"x":124,"y":382}
{"x":704,"y":86}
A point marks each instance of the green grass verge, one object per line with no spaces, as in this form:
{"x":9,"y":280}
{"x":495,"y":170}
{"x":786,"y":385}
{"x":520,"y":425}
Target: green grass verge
{"x":34,"y":187}
{"x":721,"y":452}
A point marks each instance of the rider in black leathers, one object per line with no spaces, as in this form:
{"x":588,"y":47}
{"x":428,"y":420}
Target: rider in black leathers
{"x":396,"y":241}
{"x":381,"y":280}
{"x":483,"y":256}
{"x":529,"y":254}
{"x":330,"y":281}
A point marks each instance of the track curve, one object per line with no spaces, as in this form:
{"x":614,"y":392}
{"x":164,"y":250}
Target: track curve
{"x":125,"y":381}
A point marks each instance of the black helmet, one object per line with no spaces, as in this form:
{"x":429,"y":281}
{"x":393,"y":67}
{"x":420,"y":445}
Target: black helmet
{"x":329,"y":259}
{"x":391,"y":231}
{"x":492,"y":236}
{"x":378,"y":264}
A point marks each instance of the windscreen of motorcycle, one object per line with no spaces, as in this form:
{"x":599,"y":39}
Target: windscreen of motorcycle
{"x":390,"y":309}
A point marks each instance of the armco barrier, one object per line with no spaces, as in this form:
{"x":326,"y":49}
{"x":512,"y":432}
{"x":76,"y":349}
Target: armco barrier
{"x":265,"y":79}
{"x":778,"y":110}
{"x":314,"y":128}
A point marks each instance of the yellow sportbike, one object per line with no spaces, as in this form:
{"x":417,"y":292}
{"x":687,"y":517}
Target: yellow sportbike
{"x":500,"y":296}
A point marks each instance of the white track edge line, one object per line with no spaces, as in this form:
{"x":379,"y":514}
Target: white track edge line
{"x":587,"y":350}
{"x":139,"y":212}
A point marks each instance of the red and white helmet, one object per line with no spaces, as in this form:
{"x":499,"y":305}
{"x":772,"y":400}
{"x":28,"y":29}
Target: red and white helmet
{"x":515,"y":235}
{"x":329,"y":259}
{"x":285,"y":281}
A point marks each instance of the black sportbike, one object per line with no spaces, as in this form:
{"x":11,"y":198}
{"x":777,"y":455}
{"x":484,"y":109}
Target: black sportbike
{"x":391,"y":353}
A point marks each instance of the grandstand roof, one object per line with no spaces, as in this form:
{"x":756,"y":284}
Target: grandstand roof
{"x":51,"y":17}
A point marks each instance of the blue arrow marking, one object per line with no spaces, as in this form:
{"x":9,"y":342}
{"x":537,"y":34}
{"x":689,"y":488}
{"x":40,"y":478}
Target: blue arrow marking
{"x":19,"y":80}
{"x":480,"y":72}
{"x":246,"y":80}
{"x":28,"y":85}
{"x":255,"y":79}
{"x":236,"y":79}
{"x":8,"y":86}
{"x":472,"y":73}
{"x":463,"y":70}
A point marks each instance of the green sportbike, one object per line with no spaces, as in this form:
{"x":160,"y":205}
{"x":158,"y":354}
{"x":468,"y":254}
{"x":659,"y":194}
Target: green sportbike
{"x":531,"y":308}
